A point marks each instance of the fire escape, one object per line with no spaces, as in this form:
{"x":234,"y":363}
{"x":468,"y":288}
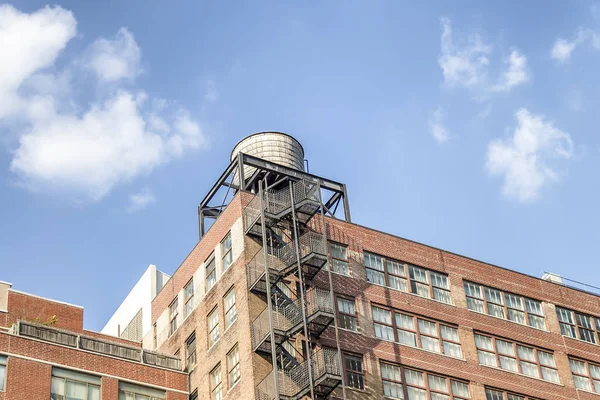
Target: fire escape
{"x":281,"y":273}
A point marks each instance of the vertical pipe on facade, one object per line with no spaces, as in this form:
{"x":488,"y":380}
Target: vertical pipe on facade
{"x":331,"y":295}
{"x":268,"y":284}
{"x":302,"y":294}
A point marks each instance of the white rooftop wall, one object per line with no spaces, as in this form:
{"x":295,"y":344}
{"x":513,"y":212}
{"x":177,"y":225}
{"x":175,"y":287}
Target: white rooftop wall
{"x":140,"y":297}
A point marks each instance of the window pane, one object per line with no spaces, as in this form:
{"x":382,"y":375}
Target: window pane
{"x":57,"y":386}
{"x":577,"y":367}
{"x":93,"y":392}
{"x":398,"y":283}
{"x":486,"y":358}
{"x":475,"y":305}
{"x":460,"y":389}
{"x":567,"y":330}
{"x":2,"y":376}
{"x":76,"y":390}
{"x":338,"y":251}
{"x":546,"y":358}
{"x":396,"y":268}
{"x":416,"y":394}
{"x":438,"y":280}
{"x":442,"y":295}
{"x":393,"y":390}
{"x":493,"y":394}
{"x":508,"y":363}
{"x":549,"y":374}
{"x":473,"y":290}
{"x":373,"y":261}
{"x":534,"y":307}
{"x":595,"y":371}
{"x":427,"y":327}
{"x":526,"y":353}
{"x":564,"y":315}
{"x":516,"y":316}
{"x":341,"y":267}
{"x":407,"y":338}
{"x":514,"y":301}
{"x":375,"y":277}
{"x":438,"y":383}
{"x":505,"y":347}
{"x":537,"y":322}
{"x":430,"y":344}
{"x":405,"y":321}
{"x":484,"y":342}
{"x":452,"y":349}
{"x":418,"y":274}
{"x":414,"y":377}
{"x":582,"y":383}
{"x":420,"y":289}
{"x":496,"y":310}
{"x":493,"y":295}
{"x":530,"y":369}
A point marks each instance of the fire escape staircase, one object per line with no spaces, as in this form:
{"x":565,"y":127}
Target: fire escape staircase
{"x":296,"y":203}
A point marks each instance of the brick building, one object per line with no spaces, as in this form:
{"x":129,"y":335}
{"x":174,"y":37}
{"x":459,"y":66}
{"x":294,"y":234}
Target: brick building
{"x":283,"y":297}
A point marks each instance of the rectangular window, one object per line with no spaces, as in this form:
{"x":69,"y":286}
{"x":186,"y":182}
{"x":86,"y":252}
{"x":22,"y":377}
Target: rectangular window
{"x":154,"y":336}
{"x":188,"y":298}
{"x":586,"y":375}
{"x":230,"y":309}
{"x":74,"y":385}
{"x":129,"y":391}
{"x":410,"y":330}
{"x":516,"y":357}
{"x":339,"y":259}
{"x":213,"y":327}
{"x":346,"y":313}
{"x":173,"y":312}
{"x":353,"y":371}
{"x":233,"y":366}
{"x":407,"y":278}
{"x":422,"y":385}
{"x":216,"y":388}
{"x":190,"y":352}
{"x":2,"y":373}
{"x":577,"y":325}
{"x":497,"y":394}
{"x":497,"y":303}
{"x":211,"y":273}
{"x":392,"y":381}
{"x":226,"y":252}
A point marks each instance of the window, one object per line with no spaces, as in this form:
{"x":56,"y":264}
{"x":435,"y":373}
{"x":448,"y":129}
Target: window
{"x":516,"y":357}
{"x":339,"y":259}
{"x":414,"y":331}
{"x":2,"y":373}
{"x":512,"y":307}
{"x":578,"y":325}
{"x":233,"y":366}
{"x":407,"y":278}
{"x":216,"y":389}
{"x":129,"y":391}
{"x":496,"y":394}
{"x":226,"y":252}
{"x":392,"y":381}
{"x":424,"y":385}
{"x":188,"y":298}
{"x":190,"y":352}
{"x":353,"y":371}
{"x":74,"y":385}
{"x":346,"y":313}
{"x":154,"y":335}
{"x":213,"y":327}
{"x":173,"y":312}
{"x":230,"y":309}
{"x":194,"y":395}
{"x":211,"y":273}
{"x":586,"y":375}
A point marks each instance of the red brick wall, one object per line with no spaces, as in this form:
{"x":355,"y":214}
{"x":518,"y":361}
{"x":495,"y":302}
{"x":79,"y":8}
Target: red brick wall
{"x":361,"y":239}
{"x":27,"y":380}
{"x":32,"y":308}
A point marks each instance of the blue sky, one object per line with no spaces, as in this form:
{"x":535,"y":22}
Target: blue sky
{"x":468,"y":126}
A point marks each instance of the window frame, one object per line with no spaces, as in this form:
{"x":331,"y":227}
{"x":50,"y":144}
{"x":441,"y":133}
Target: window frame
{"x":417,"y":332}
{"x":188,"y":342}
{"x":188,"y":300}
{"x":226,"y":252}
{"x":232,"y":308}
{"x":577,"y":327}
{"x":155,"y":335}
{"x":332,"y":259}
{"x":218,"y":389}
{"x":75,"y":380}
{"x":588,"y":376}
{"x":236,"y":368}
{"x":173,"y":314}
{"x":505,"y":307}
{"x":506,"y":393}
{"x":341,"y":315}
{"x":210,"y":330}
{"x":210,"y":261}
{"x":405,"y":274}
{"x":426,"y":386}
{"x":360,"y":374}
{"x":4,"y":367}
{"x":517,"y":357}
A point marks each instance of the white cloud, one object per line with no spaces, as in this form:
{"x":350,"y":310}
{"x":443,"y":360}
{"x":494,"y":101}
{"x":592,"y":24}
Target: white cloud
{"x":467,"y":63}
{"x":515,"y":74}
{"x":464,"y":65}
{"x":562,"y":49}
{"x":141,"y":200}
{"x":74,"y":147}
{"x":29,"y":43}
{"x":438,"y":130}
{"x":114,"y":59}
{"x":526,"y":161}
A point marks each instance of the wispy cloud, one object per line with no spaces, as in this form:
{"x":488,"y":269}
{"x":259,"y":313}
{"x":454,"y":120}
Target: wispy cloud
{"x":563,"y":48}
{"x":436,"y":124}
{"x":140,"y":200}
{"x":81,"y":149}
{"x":466,"y":62}
{"x":526,"y":161}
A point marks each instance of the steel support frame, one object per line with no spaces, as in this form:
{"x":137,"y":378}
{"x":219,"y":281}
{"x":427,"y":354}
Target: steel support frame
{"x":207,"y":209}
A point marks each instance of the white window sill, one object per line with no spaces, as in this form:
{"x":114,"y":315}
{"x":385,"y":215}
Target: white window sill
{"x":511,"y":321}
{"x":526,"y":376}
